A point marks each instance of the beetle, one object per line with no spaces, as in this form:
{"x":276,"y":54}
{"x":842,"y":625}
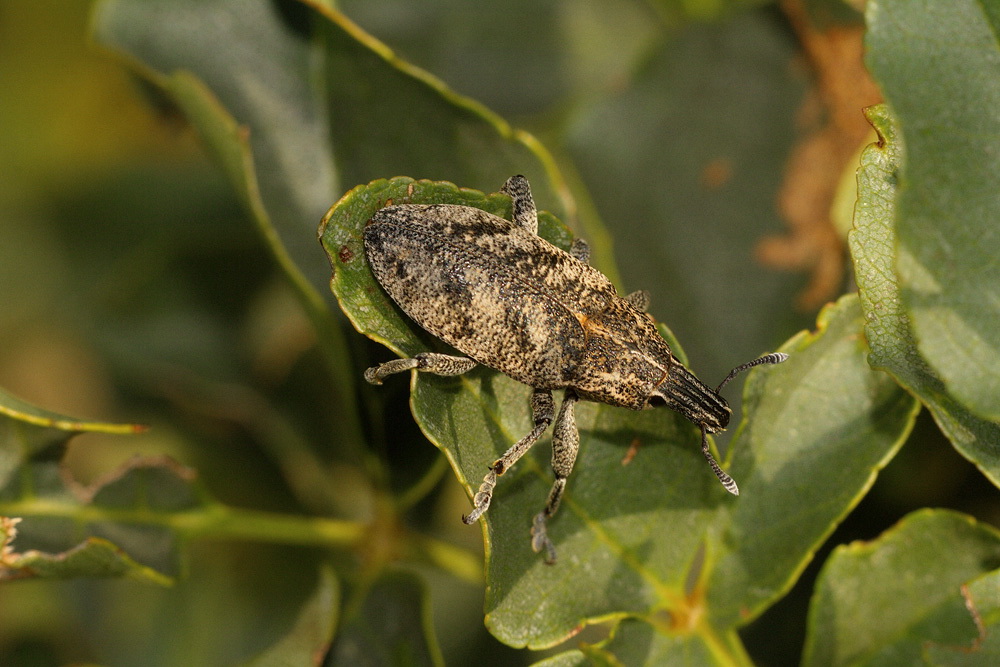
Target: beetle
{"x":497,"y":292}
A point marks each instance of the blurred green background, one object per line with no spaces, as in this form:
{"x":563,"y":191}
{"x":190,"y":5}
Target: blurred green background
{"x":134,"y":289}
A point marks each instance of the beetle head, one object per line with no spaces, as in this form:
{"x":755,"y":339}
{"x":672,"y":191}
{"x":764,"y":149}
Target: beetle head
{"x":685,"y":393}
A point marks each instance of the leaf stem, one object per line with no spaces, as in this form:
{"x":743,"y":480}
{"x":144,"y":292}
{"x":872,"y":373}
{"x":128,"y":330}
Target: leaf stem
{"x":221,"y":522}
{"x":213,"y":520}
{"x":454,"y":560}
{"x":424,"y":485}
{"x":230,"y":143}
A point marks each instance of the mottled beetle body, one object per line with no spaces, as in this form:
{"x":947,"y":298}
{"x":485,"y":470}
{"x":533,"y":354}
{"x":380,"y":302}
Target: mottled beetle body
{"x":514,"y":302}
{"x":500,"y":294}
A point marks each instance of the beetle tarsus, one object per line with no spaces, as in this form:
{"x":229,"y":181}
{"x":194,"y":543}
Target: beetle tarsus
{"x":482,"y":499}
{"x":542,"y":410}
{"x":540,"y":540}
{"x":376,"y":374}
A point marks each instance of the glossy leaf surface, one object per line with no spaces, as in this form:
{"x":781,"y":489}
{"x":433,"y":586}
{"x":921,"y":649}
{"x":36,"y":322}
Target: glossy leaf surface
{"x":947,"y":204}
{"x":888,"y":320}
{"x":924,"y":590}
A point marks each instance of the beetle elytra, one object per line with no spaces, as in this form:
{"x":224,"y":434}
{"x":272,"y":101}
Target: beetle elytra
{"x":500,"y":294}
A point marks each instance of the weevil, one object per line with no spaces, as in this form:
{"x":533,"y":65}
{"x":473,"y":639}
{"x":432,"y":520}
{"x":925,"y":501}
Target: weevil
{"x":498,"y":293}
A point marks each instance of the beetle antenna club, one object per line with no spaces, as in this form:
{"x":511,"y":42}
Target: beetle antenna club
{"x":505,"y":298}
{"x":773,"y":358}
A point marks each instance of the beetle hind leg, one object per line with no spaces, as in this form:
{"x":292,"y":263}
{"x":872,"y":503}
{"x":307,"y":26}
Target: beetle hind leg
{"x":542,"y":412}
{"x":428,"y":362}
{"x":565,"y":445}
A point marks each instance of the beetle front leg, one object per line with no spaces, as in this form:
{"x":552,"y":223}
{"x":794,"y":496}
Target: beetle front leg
{"x":565,"y":445}
{"x":542,"y":411}
{"x":428,"y":362}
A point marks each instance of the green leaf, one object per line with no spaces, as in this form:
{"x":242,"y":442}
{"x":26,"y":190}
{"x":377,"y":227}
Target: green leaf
{"x":262,"y":78}
{"x":463,"y":42}
{"x":982,"y":602}
{"x":31,"y":443}
{"x":924,"y":592}
{"x":299,"y":94}
{"x":391,"y":625}
{"x":643,"y":529}
{"x":322,"y":104}
{"x":637,"y":643}
{"x":127,"y":510}
{"x":574,"y":658}
{"x":816,"y":431}
{"x":150,"y":507}
{"x":388,"y":118}
{"x":888,"y":323}
{"x":94,"y":557}
{"x":131,"y":522}
{"x":241,"y":100}
{"x":27,"y":431}
{"x":310,"y":637}
{"x":947,"y":207}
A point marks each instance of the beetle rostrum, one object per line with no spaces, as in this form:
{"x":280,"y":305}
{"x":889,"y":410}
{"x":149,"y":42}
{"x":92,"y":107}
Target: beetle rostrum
{"x":507,"y":299}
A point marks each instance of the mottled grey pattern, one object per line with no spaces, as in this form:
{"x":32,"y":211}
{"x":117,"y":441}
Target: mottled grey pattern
{"x":506,"y":298}
{"x":497,"y":292}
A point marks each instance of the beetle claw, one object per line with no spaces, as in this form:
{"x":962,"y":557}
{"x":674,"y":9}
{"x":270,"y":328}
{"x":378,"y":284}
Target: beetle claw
{"x":482,"y":498}
{"x":540,"y":540}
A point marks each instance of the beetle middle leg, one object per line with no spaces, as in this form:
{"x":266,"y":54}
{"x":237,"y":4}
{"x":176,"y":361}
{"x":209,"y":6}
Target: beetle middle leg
{"x":542,"y":411}
{"x":565,"y":445}
{"x":428,"y":362}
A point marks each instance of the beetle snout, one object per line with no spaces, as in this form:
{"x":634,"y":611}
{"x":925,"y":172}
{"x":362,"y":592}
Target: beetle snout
{"x":717,"y":420}
{"x":689,"y":396}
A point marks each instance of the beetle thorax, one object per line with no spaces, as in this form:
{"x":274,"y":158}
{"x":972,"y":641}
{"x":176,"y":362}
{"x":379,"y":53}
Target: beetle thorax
{"x":624,"y":358}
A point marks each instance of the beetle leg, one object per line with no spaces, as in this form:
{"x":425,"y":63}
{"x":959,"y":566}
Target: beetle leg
{"x":728,"y":482}
{"x":542,"y":411}
{"x":519,"y":191}
{"x":565,"y":445}
{"x":580,"y":250}
{"x":428,"y":362}
{"x":639,"y":299}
